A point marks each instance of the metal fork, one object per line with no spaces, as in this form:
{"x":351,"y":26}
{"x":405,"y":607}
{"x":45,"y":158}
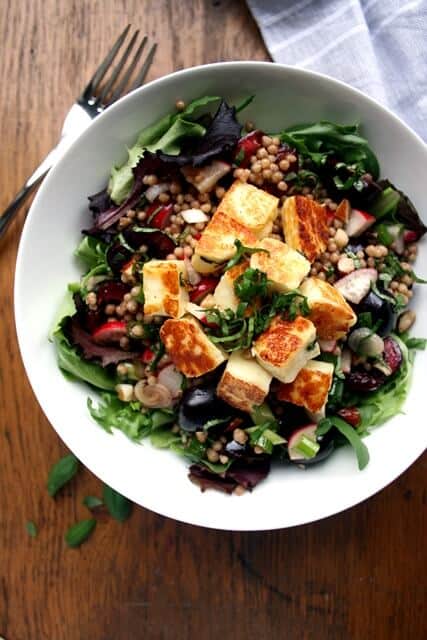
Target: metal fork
{"x":93,"y":100}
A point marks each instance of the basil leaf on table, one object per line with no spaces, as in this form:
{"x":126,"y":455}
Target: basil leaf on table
{"x":61,"y":473}
{"x":92,"y":502}
{"x":118,"y":506}
{"x":80,"y":532}
{"x":31,"y":529}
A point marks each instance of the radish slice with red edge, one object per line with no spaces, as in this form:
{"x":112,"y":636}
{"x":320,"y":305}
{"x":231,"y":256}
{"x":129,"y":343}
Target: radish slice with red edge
{"x":110,"y":332}
{"x":358,"y":222}
{"x":357,"y":284}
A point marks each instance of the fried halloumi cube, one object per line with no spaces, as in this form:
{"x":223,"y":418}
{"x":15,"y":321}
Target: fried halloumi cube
{"x":252,"y":207}
{"x":244,"y":383}
{"x":189,"y":347}
{"x":329,"y":312}
{"x":305,"y":226}
{"x":284,"y":266}
{"x":285,"y":347}
{"x":224,"y":295}
{"x":216,"y":243}
{"x":311,"y":386}
{"x":164,"y":294}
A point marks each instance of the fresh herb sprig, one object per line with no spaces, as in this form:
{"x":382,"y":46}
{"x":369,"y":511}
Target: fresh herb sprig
{"x":242,"y":251}
{"x":235,"y":330}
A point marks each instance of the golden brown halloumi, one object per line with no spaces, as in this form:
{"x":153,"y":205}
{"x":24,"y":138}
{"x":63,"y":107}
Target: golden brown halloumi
{"x":285,"y":347}
{"x":305,"y":226}
{"x":163,"y":293}
{"x":311,"y":386}
{"x":244,"y":383}
{"x":284,"y":266}
{"x":216,"y":243}
{"x":329,"y":312}
{"x":224,"y":295}
{"x":252,"y":207}
{"x":189,"y":347}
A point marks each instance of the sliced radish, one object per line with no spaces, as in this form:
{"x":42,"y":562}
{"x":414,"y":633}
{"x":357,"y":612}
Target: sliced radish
{"x":356,"y":285}
{"x":248,"y":145}
{"x":205,"y":178}
{"x":346,"y":360}
{"x":110,"y":332}
{"x":302,"y":443}
{"x":327,"y":346}
{"x":172,"y":379}
{"x":193,"y":216}
{"x":343,"y":210}
{"x":155,"y":190}
{"x":358,"y":222}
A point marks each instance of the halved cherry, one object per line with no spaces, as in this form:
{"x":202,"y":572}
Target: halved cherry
{"x":248,"y":146}
{"x":158,"y":215}
{"x":147,"y":356}
{"x":110,"y":332}
{"x":350,"y":415}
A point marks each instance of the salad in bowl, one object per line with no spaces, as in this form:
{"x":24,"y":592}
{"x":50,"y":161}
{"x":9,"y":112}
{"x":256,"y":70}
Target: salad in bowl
{"x":245,"y":296}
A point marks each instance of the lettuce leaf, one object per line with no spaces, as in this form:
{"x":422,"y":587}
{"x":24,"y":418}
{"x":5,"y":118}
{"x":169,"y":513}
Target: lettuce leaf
{"x":127,"y":417}
{"x":75,"y":368}
{"x":165,"y":134}
{"x":379,"y":406}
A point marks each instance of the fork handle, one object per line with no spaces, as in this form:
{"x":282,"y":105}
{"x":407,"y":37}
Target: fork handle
{"x":10,"y":212}
{"x":32,"y":182}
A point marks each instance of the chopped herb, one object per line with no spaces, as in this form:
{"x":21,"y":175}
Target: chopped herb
{"x":118,"y":506}
{"x":413,"y":343}
{"x":246,"y":102}
{"x":214,"y":422}
{"x":31,"y":529}
{"x":250,"y":284}
{"x":240,"y":157}
{"x":92,"y":502}
{"x":235,"y":330}
{"x":365,"y":319}
{"x":61,"y":473}
{"x":349,"y":433}
{"x":242,"y":252}
{"x":79,"y":532}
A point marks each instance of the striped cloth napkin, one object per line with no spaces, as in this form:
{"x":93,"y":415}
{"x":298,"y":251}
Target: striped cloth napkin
{"x":378,"y":46}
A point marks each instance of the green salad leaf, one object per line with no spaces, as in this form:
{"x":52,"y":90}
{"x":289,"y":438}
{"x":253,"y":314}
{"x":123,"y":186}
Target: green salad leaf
{"x":76,"y":368}
{"x":349,"y":434}
{"x":379,"y":406}
{"x":127,"y":416}
{"x":91,"y":251}
{"x":165,"y":134}
{"x":316,"y":142}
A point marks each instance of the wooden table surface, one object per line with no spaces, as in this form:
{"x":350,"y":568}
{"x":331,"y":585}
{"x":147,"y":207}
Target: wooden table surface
{"x":358,"y":575}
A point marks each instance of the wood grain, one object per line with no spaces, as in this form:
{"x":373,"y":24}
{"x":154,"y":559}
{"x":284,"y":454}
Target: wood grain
{"x":358,"y":575}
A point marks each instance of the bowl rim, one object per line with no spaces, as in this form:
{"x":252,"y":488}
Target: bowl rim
{"x":50,"y":178}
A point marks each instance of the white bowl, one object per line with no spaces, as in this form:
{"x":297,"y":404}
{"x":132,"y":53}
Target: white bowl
{"x":157,"y":479}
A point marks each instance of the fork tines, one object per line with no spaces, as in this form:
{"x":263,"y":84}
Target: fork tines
{"x":104,"y":87}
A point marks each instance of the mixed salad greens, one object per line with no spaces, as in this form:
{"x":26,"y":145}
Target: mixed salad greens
{"x":155,"y":209}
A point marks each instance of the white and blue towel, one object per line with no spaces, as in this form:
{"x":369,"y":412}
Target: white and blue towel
{"x":377,"y":46}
